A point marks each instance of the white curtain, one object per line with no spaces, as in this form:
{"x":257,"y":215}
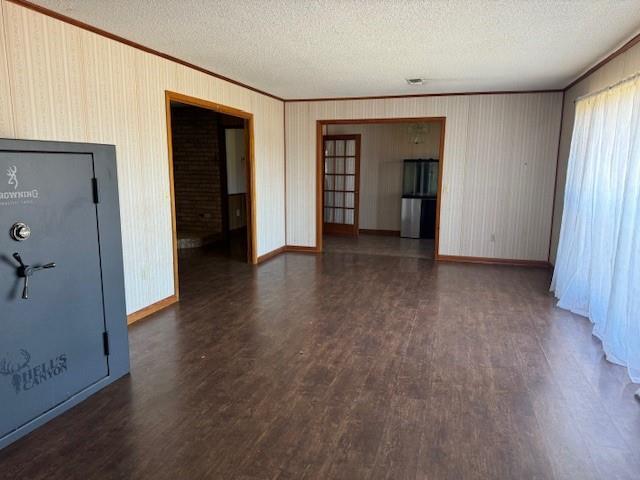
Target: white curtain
{"x":597,"y":272}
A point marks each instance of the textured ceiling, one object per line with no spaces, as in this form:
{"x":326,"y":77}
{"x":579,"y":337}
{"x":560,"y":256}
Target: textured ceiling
{"x":334,"y":48}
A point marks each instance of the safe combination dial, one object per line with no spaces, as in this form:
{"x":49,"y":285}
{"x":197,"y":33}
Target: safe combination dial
{"x":20,"y":231}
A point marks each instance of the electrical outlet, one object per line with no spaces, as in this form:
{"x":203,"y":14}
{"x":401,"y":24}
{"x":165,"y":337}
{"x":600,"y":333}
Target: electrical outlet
{"x":493,"y":237}
{"x":237,"y":212}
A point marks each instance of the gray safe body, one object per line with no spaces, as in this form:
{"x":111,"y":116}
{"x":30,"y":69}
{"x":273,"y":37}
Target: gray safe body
{"x":59,"y":216}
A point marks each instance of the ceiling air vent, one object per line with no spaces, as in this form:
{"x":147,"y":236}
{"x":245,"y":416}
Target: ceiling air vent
{"x":416,"y":81}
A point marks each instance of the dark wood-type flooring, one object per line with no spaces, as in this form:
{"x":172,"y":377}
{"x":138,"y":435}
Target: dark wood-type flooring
{"x":390,"y":246}
{"x":352,"y":367}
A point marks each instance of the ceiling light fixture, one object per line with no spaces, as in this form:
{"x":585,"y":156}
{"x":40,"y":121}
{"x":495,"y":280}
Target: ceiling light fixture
{"x":417,"y":133}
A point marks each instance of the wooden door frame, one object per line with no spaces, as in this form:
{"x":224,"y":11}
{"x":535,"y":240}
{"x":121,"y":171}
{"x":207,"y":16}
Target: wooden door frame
{"x":251,"y":199}
{"x":359,"y":121}
{"x":356,"y":214}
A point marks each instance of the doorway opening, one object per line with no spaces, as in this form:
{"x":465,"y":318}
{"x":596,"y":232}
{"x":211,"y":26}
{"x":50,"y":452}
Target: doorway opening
{"x":211,"y":174}
{"x":379,"y":186}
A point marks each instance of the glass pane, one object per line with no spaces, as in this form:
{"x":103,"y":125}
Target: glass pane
{"x":339,"y":199}
{"x":423,"y":177}
{"x":340,"y":147}
{"x":328,"y":182}
{"x":340,"y":165}
{"x":328,"y":215}
{"x":349,"y":217}
{"x":350,"y":166}
{"x":410,"y":178}
{"x":349,"y":199}
{"x":329,"y":165}
{"x":328,"y":199}
{"x":329,"y":147}
{"x":349,"y":183}
{"x":351,"y":147}
{"x":338,"y":215}
{"x":432,"y":182}
{"x":339,"y":182}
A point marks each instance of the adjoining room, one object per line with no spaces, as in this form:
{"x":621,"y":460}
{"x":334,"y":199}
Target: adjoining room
{"x":381,"y":182}
{"x":210,"y":170}
{"x":210,"y":180}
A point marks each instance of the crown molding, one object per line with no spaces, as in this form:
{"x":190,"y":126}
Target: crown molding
{"x":117,"y":38}
{"x":620,"y":50}
{"x":85,"y":26}
{"x":420,"y":95}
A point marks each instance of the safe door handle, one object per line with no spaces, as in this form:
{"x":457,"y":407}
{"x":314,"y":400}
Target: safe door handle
{"x":26,"y":271}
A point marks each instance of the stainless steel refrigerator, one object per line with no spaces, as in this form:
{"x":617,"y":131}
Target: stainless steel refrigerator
{"x":419,"y":198}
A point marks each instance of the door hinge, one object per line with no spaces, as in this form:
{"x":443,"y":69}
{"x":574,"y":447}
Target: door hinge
{"x":105,"y":342}
{"x":94,"y":185}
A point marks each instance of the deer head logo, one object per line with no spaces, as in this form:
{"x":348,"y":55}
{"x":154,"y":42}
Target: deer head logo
{"x":12,"y":174}
{"x":14,"y":363}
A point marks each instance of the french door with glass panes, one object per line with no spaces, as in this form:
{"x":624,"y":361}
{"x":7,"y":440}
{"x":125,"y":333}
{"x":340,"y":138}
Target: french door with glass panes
{"x":341,"y":184}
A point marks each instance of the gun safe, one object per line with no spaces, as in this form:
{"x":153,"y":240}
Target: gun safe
{"x":63,"y":330}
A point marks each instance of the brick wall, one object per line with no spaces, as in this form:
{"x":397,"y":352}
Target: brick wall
{"x":197,"y":171}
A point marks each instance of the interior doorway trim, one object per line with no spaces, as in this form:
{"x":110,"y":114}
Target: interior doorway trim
{"x":251,"y":203}
{"x":358,"y":121}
